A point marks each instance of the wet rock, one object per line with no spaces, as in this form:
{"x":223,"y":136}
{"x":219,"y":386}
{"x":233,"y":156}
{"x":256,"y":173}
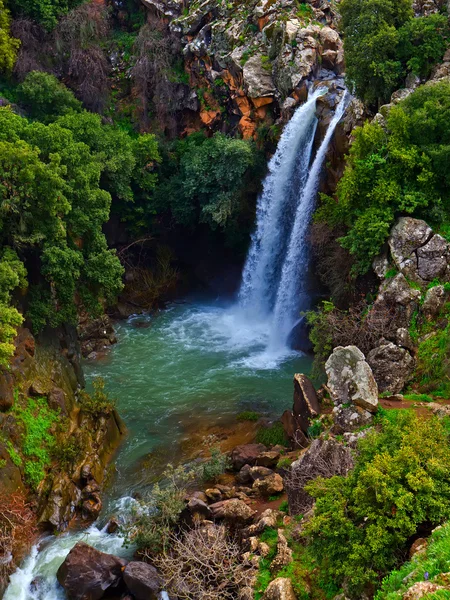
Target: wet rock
{"x":87,"y":573}
{"x":259,"y":473}
{"x":113,"y":526}
{"x":279,"y":589}
{"x":268,"y":459}
{"x":434,"y":302}
{"x":143,"y":580}
{"x":234,"y":511}
{"x":324,"y":458}
{"x":273,"y":484}
{"x":246,"y":454}
{"x":392,"y":367}
{"x":95,"y":334}
{"x":284,"y":554}
{"x":350,"y":378}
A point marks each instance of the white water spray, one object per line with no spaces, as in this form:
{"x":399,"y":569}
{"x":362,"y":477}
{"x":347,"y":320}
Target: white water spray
{"x":288,"y":169}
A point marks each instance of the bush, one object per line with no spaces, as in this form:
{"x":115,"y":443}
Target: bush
{"x":45,"y":98}
{"x":272,"y":436}
{"x":215,"y":466}
{"x":362,"y":522}
{"x":400,"y":169}
{"x":96,"y":403}
{"x":45,"y":12}
{"x":248,"y":415}
{"x":8,"y":45}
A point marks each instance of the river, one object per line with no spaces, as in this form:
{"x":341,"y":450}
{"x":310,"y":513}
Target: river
{"x":193,"y":364}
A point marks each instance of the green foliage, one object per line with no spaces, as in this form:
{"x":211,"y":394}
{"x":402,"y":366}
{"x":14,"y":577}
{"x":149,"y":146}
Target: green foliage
{"x":215,"y":466}
{"x":248,"y":415}
{"x":315,"y":429}
{"x":158,"y":514}
{"x":401,"y":480}
{"x":13,"y":454}
{"x":45,"y":12}
{"x":8,"y":45}
{"x":272,"y":436}
{"x":433,"y":362}
{"x":434,"y":561}
{"x":384,"y":42}
{"x":36,"y":419}
{"x":284,"y":463}
{"x":321,"y":335}
{"x":12,"y":276}
{"x":418,"y":397}
{"x":284,"y":507}
{"x":45,"y":98}
{"x":393,"y":171}
{"x":98,"y":402}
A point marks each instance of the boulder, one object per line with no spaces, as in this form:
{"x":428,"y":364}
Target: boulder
{"x":6,"y":390}
{"x":268,"y":518}
{"x":398,"y":291}
{"x":268,"y":459}
{"x":292,"y":431}
{"x":195,"y":510}
{"x":350,"y":378}
{"x":324,"y":458}
{"x":406,"y":237}
{"x":213,"y":494}
{"x":432,"y":259}
{"x":284,"y":554}
{"x":329,"y":38}
{"x":306,"y":404}
{"x":434,"y":302}
{"x":350,"y":418}
{"x":234,"y":511}
{"x":259,"y":473}
{"x":87,"y":573}
{"x":243,"y":476}
{"x":142,"y":580}
{"x":246,"y":454}
{"x":258,"y":80}
{"x":421,"y":589}
{"x":392,"y":367}
{"x":280,"y":589}
{"x":273,"y":484}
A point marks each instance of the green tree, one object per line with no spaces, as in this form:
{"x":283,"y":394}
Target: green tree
{"x":362,"y":522}
{"x":45,"y":12}
{"x":8,"y":45}
{"x":45,"y":98}
{"x":394,"y":170}
{"x":12,"y":276}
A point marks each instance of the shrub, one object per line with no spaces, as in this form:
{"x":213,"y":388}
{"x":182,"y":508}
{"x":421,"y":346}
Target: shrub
{"x":45,"y":98}
{"x":215,"y":466}
{"x":272,"y":436}
{"x":204,"y":563}
{"x":45,"y":12}
{"x":96,"y":403}
{"x":248,"y":415}
{"x":8,"y":45}
{"x":284,"y":463}
{"x":362,"y":522}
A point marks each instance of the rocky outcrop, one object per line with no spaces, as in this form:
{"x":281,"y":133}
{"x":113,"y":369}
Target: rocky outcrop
{"x":95,"y":335}
{"x":87,"y":573}
{"x":280,"y":589}
{"x":350,"y":379}
{"x":142,"y":580}
{"x":247,"y":454}
{"x":269,"y":486}
{"x":306,"y":407}
{"x":234,"y":511}
{"x":392,"y":367}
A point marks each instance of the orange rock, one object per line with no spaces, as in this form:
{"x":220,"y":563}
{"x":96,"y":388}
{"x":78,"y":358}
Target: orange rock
{"x":258,"y":102}
{"x":244,"y":105}
{"x":231,"y":82}
{"x":209,"y":116}
{"x":247,"y":127}
{"x":261,"y":112}
{"x":262,"y":22}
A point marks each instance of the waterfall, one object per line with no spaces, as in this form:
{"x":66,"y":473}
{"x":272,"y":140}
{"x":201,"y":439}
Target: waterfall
{"x":292,"y":296}
{"x":275,"y":211}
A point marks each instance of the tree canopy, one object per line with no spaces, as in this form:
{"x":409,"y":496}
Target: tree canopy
{"x":8,"y":45}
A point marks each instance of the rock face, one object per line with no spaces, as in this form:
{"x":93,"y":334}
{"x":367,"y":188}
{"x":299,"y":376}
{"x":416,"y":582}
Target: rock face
{"x":350,"y":378}
{"x":280,"y":589}
{"x":392,"y":367}
{"x":142,"y":580}
{"x":87,"y":573}
{"x":324,"y":458}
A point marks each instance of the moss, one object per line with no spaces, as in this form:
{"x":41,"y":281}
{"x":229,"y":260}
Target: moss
{"x":248,"y":415}
{"x":272,"y":436}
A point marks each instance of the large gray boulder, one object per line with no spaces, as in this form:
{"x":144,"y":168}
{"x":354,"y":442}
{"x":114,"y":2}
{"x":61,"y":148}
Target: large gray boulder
{"x":258,"y":80}
{"x":406,"y":237}
{"x":392,"y":367}
{"x":142,"y":580}
{"x":434,"y":302}
{"x":432,"y":259}
{"x":280,"y":589}
{"x":350,"y":378}
{"x":87,"y":573}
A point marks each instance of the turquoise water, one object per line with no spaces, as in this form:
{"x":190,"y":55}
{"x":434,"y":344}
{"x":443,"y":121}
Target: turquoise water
{"x":191,"y":364}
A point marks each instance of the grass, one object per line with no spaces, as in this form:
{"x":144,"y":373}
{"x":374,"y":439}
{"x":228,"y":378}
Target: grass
{"x":418,"y":397}
{"x":284,"y":463}
{"x":248,"y":415}
{"x":434,"y":561}
{"x":272,"y":436}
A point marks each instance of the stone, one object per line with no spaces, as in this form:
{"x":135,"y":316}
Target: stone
{"x":292,"y":27}
{"x":6,"y":390}
{"x":398,"y":291}
{"x":406,"y":237}
{"x":292,"y":431}
{"x":257,"y":80}
{"x":432,"y":259}
{"x":350,"y":418}
{"x":306,"y":404}
{"x":392,"y":367}
{"x":284,"y":554}
{"x":57,"y":400}
{"x":380,"y":265}
{"x":329,"y":38}
{"x":87,"y":573}
{"x":194,"y":512}
{"x":350,"y":378}
{"x":234,"y":511}
{"x":259,"y":473}
{"x":113,"y":526}
{"x":434,"y":302}
{"x":421,"y":589}
{"x":403,"y":338}
{"x":324,"y":458}
{"x":243,"y":476}
{"x":268,"y":518}
{"x":142,"y":580}
{"x":279,"y":589}
{"x":246,"y":454}
{"x":268,"y":459}
{"x":273,"y":484}
{"x":213,"y":494}
{"x":418,"y":546}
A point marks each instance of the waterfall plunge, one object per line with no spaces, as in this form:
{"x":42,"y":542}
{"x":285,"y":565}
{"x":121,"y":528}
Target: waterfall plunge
{"x":274,"y":279}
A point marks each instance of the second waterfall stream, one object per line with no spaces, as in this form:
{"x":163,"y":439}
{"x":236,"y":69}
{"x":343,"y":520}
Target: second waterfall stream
{"x":273,"y":288}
